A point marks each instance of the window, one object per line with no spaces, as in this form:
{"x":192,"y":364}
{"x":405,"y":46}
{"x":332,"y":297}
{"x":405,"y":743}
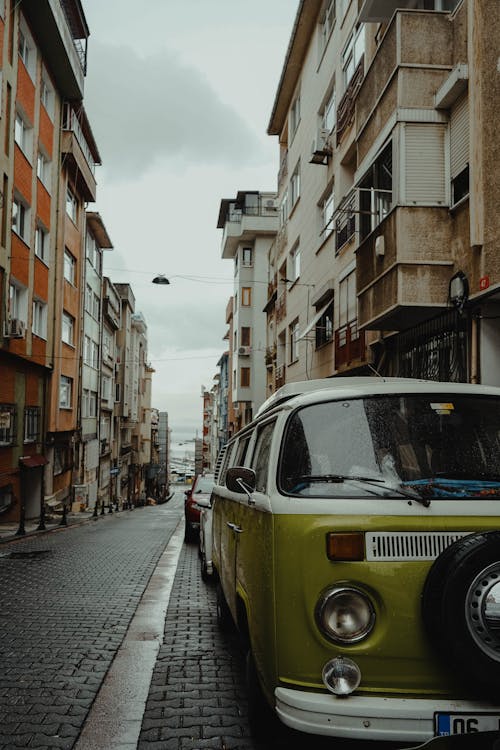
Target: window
{"x":93,"y":251}
{"x":348,"y":306}
{"x":294,"y":263}
{"x":94,"y":356}
{"x":18,"y":302}
{"x":293,"y":332}
{"x":62,"y":459}
{"x":43,"y":169}
{"x":69,"y":267}
{"x":27,"y":51}
{"x":107,"y":344}
{"x":245,"y":336}
{"x":71,"y":205}
{"x":245,"y":377}
{"x":47,"y":95}
{"x":324,"y":327}
{"x":327,"y":209}
{"x":8,"y":414}
{"x":375,"y":193}
{"x":20,"y":219}
{"x":295,"y":186}
{"x":329,"y":113}
{"x":68,"y":324}
{"x":247,"y":254}
{"x":88,"y":298}
{"x":39,"y":326}
{"x":459,"y":149}
{"x":260,"y":460}
{"x":246,"y":296}
{"x":105,"y":388}
{"x":65,"y":392}
{"x":6,"y":497}
{"x":31,"y":424}
{"x":294,"y":117}
{"x":96,"y":306}
{"x":23,"y":135}
{"x":42,"y":243}
{"x":352,"y":54}
{"x":327,"y":22}
{"x":89,"y":403}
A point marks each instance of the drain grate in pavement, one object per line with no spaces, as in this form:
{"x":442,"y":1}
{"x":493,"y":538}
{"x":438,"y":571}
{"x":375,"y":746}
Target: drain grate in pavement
{"x":26,"y":554}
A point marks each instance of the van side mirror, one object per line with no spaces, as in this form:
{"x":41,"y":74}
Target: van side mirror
{"x":240,"y":479}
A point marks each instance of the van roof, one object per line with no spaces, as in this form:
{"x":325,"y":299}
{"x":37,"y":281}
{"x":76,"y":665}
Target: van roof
{"x":299,"y":388}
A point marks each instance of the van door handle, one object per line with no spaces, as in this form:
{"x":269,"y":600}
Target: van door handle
{"x":234,"y":527}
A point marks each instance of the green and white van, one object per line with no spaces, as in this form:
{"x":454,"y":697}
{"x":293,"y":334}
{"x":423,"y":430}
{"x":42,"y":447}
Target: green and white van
{"x":356,"y":544}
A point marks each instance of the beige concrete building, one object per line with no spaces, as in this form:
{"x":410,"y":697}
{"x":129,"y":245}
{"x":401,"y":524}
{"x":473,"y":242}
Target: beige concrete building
{"x":386,"y":252}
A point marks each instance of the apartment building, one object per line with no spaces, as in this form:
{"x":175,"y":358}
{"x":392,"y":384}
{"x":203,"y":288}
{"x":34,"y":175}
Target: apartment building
{"x":249,"y":223}
{"x":384,"y":258}
{"x":47,"y":160}
{"x":109,"y":424}
{"x":163,"y":455}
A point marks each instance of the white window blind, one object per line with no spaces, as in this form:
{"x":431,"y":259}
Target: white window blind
{"x":425,"y":164}
{"x":459,"y":137}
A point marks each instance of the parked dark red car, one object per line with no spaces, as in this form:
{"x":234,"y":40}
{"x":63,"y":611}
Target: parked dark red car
{"x":202,"y":486}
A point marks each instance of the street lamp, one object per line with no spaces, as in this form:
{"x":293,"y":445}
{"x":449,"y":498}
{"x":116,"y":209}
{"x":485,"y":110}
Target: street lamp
{"x":160,"y":279}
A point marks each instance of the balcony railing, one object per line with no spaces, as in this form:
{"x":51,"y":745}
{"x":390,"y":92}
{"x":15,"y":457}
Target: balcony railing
{"x":71,"y":123}
{"x":345,"y":109}
{"x":375,"y":204}
{"x":345,"y":221}
{"x":349,"y":344}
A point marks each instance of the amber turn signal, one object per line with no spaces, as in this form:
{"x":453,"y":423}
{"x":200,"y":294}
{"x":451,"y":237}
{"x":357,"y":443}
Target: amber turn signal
{"x":345,"y":546}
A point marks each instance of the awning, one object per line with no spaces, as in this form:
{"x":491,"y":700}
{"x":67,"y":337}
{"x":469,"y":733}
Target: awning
{"x":313,"y":322}
{"x":31,"y":462}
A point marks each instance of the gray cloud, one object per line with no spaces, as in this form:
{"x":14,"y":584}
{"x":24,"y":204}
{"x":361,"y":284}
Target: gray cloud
{"x":145,"y":109}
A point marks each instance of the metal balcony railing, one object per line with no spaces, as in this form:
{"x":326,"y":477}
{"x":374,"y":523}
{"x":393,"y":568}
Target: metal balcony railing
{"x":71,"y":123}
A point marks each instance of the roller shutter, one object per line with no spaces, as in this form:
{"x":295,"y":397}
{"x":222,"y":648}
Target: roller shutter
{"x":425,"y":164}
{"x":459,"y":136}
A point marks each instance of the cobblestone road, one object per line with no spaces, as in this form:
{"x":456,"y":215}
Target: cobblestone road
{"x":67,"y":598}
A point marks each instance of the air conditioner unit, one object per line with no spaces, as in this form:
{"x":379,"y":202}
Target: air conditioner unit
{"x":271,"y":204}
{"x":245,"y":351}
{"x":320,"y":149}
{"x":15,"y":329}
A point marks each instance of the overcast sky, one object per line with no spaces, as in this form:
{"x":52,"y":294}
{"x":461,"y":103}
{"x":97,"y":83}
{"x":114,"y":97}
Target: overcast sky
{"x":179,"y":95}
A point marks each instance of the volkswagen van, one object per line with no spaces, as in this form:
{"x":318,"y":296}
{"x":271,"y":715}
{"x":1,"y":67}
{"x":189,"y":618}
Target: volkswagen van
{"x":356,"y":546}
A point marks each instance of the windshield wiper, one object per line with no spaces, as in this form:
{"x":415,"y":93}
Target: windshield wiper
{"x":339,"y":478}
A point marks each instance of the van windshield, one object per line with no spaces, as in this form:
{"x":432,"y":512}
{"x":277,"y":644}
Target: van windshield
{"x":423,"y":446}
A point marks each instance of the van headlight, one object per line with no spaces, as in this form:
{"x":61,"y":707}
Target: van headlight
{"x":345,"y":615}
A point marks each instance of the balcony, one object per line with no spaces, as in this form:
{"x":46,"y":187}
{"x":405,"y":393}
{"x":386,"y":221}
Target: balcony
{"x":248,"y":216}
{"x":62,"y":34}
{"x":404,"y":74}
{"x":283,"y":170}
{"x":403,"y":268}
{"x":80,"y":151}
{"x":349,"y":346}
{"x":270,"y":357}
{"x":344,"y":220}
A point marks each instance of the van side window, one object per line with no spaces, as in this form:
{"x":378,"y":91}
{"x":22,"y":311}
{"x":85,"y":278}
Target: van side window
{"x":226,"y":461}
{"x":241,"y":451}
{"x":260,"y":462}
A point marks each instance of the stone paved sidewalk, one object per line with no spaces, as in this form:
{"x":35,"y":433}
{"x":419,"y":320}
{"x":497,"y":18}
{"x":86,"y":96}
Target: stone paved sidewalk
{"x":197,"y":697}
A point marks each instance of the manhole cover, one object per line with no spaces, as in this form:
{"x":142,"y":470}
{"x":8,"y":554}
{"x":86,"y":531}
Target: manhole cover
{"x":26,"y":554}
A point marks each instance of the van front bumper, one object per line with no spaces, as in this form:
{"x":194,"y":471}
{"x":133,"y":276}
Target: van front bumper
{"x":369,"y":718}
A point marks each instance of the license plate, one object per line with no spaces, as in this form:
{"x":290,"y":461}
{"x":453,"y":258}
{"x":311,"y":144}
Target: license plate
{"x":446,"y":724}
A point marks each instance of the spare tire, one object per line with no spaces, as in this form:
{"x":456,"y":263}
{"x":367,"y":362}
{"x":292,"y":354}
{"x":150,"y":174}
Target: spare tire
{"x":461,"y":610}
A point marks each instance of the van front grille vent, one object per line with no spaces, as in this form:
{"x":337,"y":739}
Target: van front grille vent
{"x":418,"y":545}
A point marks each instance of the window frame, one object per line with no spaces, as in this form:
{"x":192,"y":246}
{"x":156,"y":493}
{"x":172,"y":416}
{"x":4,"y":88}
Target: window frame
{"x":39,"y":319}
{"x":293,"y":340}
{"x":65,"y":392}
{"x":69,"y":267}
{"x":21,"y":218}
{"x":8,"y":435}
{"x":246,"y":296}
{"x":325,"y":327}
{"x":71,"y":205}
{"x":247,"y":372}
{"x":32,"y":423}
{"x":68,"y":329}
